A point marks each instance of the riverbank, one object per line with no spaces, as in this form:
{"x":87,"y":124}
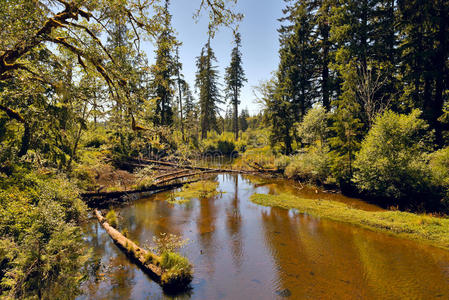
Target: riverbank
{"x":424,"y":228}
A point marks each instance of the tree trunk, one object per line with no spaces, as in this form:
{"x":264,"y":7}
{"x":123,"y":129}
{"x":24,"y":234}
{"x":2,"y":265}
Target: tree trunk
{"x":236,"y":117}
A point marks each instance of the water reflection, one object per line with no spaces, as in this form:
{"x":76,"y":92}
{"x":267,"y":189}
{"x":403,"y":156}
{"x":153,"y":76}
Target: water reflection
{"x":242,"y":250}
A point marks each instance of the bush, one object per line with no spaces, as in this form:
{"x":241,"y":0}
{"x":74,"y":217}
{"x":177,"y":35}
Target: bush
{"x":225,"y":147}
{"x":40,"y":210}
{"x":313,"y":129}
{"x":111,"y":218}
{"x":312,"y":166}
{"x":439,"y":165}
{"x":392,"y":162}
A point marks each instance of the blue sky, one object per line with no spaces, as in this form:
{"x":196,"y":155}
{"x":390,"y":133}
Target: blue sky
{"x":259,"y":41}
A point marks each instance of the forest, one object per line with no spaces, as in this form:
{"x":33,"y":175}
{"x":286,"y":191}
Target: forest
{"x":358,"y":105}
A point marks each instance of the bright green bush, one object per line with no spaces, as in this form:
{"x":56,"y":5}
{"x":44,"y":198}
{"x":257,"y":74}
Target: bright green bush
{"x":311,"y":165}
{"x":314,"y":128}
{"x":392,"y":162}
{"x":38,"y":221}
{"x":439,"y":165}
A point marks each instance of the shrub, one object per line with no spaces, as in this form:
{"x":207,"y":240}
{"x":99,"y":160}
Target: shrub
{"x":313,"y":129}
{"x":225,"y":147}
{"x":439,"y":165}
{"x":392,"y":161}
{"x":111,"y":218}
{"x":282,"y":162}
{"x":312,"y":165}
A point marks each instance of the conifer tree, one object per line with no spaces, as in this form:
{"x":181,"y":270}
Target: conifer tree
{"x":209,"y":93}
{"x":235,"y":77}
{"x":163,"y":71}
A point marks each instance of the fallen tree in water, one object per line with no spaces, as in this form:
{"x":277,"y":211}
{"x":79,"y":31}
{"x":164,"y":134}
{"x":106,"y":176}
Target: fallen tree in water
{"x":162,"y":269}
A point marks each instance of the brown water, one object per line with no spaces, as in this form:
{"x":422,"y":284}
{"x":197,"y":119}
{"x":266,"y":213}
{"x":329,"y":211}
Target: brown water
{"x":244,"y":251}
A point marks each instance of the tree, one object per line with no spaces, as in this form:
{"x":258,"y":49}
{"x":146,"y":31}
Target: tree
{"x":243,"y":119}
{"x":163,"y":71}
{"x":235,"y":77}
{"x":278,"y":112}
{"x":207,"y":84}
{"x":297,"y":58}
{"x":346,"y":128}
{"x":425,"y":57}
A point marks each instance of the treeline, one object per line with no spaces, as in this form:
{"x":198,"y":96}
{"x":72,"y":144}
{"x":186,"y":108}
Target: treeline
{"x":366,"y":63}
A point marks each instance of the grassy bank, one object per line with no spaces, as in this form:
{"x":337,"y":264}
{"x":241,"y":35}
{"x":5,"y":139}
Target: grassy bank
{"x":423,"y":228}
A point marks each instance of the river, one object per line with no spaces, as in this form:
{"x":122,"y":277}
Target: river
{"x":241,"y":250}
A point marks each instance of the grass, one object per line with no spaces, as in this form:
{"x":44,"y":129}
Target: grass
{"x":198,"y":190}
{"x":111,"y":218}
{"x":428,"y":229}
{"x":177,"y":269}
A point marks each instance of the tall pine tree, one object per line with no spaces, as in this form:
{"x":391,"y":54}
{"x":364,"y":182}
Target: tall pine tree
{"x":163,"y":71}
{"x":235,"y":77}
{"x":209,"y":93}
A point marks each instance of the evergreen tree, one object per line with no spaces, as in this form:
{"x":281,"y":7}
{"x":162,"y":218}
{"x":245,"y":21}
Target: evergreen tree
{"x":235,"y":77}
{"x":297,"y":58}
{"x":181,"y":87}
{"x":243,"y":119}
{"x":278,"y":113}
{"x":163,"y":71}
{"x":207,"y":85}
{"x":425,"y":57}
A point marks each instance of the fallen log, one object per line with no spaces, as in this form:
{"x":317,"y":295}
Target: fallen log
{"x":170,"y":174}
{"x":171,"y":280}
{"x":182,"y":166}
{"x":106,"y":199}
{"x":149,"y":262}
{"x":185,"y":175}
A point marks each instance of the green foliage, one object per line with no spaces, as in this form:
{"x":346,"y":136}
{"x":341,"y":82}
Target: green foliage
{"x":177,"y":270}
{"x":313,"y":130}
{"x":168,"y":243}
{"x":439,"y":166}
{"x":198,"y":190}
{"x":311,"y":165}
{"x":278,"y":113}
{"x":223,"y":144}
{"x":262,"y":157}
{"x":111,"y":218}
{"x":392,"y":161}
{"x":41,"y":249}
{"x":209,"y":93}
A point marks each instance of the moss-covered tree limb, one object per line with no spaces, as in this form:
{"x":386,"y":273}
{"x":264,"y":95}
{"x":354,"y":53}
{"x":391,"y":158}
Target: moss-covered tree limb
{"x":27,"y":131}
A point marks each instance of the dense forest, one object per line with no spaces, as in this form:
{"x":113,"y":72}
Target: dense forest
{"x":359,"y":103}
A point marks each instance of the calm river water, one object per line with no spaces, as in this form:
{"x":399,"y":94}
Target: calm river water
{"x":244,"y":251}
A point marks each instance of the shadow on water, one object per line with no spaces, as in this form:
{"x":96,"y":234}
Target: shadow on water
{"x":242,"y":250}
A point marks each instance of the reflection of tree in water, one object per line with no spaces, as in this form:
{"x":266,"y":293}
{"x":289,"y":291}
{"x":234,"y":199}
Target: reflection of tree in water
{"x":121,"y":279}
{"x":206,"y":222}
{"x":234,"y":223}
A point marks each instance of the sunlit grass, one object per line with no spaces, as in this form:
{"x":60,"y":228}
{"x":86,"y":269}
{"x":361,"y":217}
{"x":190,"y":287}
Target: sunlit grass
{"x":198,"y":190}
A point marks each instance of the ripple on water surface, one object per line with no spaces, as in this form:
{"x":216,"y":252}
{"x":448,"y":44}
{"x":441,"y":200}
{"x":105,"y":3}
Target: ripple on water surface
{"x":244,"y":251}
